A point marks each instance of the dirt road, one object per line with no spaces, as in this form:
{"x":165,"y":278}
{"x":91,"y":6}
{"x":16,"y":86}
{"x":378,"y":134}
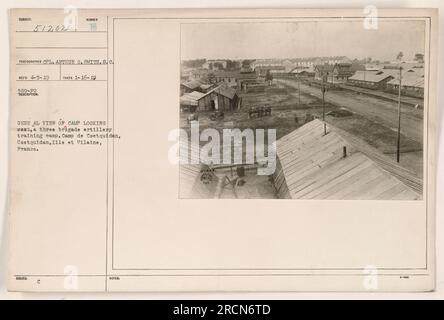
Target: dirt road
{"x":374,"y":109}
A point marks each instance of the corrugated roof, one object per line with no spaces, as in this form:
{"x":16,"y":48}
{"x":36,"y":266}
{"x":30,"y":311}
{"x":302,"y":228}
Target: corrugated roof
{"x":312,"y":166}
{"x":369,"y":76}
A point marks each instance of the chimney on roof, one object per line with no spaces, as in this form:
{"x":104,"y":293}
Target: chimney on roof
{"x":344,"y":152}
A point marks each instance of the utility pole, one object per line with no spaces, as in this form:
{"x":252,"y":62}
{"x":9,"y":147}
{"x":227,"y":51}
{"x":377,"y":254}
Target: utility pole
{"x":365,"y":67}
{"x":399,"y":117}
{"x":299,"y":87}
{"x":323,"y":105}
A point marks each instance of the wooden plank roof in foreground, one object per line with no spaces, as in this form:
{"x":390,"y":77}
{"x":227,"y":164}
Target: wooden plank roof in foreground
{"x":312,"y":165}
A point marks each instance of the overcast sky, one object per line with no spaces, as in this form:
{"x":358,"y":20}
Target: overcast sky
{"x":302,"y":39}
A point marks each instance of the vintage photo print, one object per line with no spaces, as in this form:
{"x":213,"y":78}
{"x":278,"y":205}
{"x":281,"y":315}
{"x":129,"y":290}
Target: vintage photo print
{"x":303,"y":109}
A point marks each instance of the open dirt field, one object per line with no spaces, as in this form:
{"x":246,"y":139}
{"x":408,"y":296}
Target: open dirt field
{"x":371,"y":121}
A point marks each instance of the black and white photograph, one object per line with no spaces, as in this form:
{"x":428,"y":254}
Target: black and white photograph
{"x":326,"y":109}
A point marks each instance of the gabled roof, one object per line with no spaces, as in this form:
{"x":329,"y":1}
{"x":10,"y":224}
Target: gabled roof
{"x":405,"y":72}
{"x":223,"y":90}
{"x":193,"y":84}
{"x":312,"y":166}
{"x":348,"y":68}
{"x":206,"y":86}
{"x":191,"y":98}
{"x":324,"y":67}
{"x":409,"y":80}
{"x":226,"y":91}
